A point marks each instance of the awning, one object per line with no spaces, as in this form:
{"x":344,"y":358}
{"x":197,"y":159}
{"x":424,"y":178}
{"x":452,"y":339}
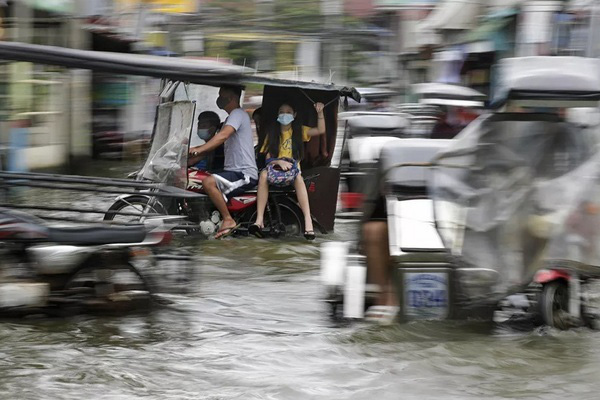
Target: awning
{"x":581,"y":5}
{"x":453,"y":15}
{"x":490,"y":35}
{"x":389,"y":5}
{"x":448,"y":15}
{"x":253,"y":37}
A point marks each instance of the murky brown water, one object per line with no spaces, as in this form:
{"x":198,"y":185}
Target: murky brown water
{"x":254,"y":327}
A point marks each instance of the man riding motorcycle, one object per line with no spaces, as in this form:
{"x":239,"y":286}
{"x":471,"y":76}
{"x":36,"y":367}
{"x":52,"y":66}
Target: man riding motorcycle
{"x":240,"y":173}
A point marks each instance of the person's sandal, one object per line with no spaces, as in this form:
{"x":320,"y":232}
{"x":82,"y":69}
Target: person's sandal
{"x":256,"y":231}
{"x":382,"y":315}
{"x":223,"y":233}
{"x":309,"y":235}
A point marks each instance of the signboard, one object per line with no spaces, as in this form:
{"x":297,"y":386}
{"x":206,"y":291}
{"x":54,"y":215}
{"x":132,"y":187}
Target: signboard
{"x":173,"y":6}
{"x":426,"y":295}
{"x":162,"y":6}
{"x":400,"y":4}
{"x":57,"y":6}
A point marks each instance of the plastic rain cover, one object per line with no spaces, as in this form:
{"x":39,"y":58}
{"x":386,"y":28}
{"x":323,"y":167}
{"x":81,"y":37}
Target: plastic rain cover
{"x":515,"y":191}
{"x":167,"y":160}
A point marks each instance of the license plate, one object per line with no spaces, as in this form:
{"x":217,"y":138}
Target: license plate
{"x":426,"y":295}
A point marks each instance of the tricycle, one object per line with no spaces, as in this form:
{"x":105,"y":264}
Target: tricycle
{"x":191,"y":84}
{"x":501,"y":218}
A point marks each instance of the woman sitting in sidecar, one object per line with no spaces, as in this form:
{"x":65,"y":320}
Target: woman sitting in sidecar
{"x":284,"y":148}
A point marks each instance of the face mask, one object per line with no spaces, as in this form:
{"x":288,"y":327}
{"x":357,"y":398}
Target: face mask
{"x":203,"y":134}
{"x":222,"y":102}
{"x":285,"y":118}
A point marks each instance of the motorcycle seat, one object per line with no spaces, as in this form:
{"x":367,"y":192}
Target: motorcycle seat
{"x":95,"y":235}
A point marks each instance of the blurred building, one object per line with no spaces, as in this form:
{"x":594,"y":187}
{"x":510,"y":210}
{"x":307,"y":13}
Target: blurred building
{"x":66,"y":115}
{"x":459,"y":41}
{"x":44,"y":115}
{"x":389,"y":43}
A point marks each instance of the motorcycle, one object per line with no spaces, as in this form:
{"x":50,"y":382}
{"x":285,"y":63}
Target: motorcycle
{"x":167,"y":163}
{"x":64,"y":270}
{"x":283,"y":216}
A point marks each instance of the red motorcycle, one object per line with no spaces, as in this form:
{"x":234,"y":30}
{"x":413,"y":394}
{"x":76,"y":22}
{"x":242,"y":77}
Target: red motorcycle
{"x":283,"y":216}
{"x":167,"y":164}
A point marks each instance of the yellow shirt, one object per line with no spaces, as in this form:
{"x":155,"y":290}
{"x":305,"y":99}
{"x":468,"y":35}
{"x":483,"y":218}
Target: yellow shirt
{"x":285,"y":143}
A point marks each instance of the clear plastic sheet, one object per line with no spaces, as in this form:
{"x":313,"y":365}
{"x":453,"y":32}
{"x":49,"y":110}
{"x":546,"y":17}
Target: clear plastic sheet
{"x":167,"y":159}
{"x":517,"y":190}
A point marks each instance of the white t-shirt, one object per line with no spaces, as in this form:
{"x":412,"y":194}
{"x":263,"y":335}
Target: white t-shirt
{"x":239,"y":148}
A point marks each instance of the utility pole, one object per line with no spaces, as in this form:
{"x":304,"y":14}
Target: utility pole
{"x":79,"y":112}
{"x":333,"y":54}
{"x":592,"y":46}
{"x":264,"y":10}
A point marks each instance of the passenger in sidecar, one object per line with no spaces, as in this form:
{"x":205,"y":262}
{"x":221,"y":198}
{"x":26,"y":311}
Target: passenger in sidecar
{"x":209,"y":124}
{"x":400,"y":232}
{"x":406,"y":262}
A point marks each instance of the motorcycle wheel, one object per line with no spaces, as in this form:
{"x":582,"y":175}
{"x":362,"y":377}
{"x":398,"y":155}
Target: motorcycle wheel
{"x":554,"y":305}
{"x":292,"y":223}
{"x":133,"y":205}
{"x":109,"y":288}
{"x":591,"y":304}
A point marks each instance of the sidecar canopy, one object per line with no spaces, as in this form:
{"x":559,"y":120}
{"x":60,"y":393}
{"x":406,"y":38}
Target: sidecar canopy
{"x":548,"y":82}
{"x":406,"y":163}
{"x":378,"y":125}
{"x":444,"y":94}
{"x":203,"y":72}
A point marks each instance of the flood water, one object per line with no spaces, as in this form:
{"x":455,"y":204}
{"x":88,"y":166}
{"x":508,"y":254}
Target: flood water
{"x":255,"y":327}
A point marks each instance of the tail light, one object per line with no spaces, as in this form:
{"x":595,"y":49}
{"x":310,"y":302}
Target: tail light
{"x":167,"y":238}
{"x":162,"y":238}
{"x":351,"y":201}
{"x":549,"y":275}
{"x":139,"y":252}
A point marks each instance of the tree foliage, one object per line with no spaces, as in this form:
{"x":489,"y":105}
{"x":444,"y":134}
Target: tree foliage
{"x":287,"y":15}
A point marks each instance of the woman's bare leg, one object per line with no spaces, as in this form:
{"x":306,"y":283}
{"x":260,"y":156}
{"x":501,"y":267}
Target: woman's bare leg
{"x":302,"y":195}
{"x":261,"y":199}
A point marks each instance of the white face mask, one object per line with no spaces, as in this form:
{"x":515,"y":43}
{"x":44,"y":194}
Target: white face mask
{"x":285,"y":118}
{"x":203,"y":134}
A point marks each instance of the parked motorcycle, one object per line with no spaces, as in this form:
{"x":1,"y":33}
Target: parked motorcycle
{"x":55,"y":270}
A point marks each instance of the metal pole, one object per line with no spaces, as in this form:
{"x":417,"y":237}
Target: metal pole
{"x":592,"y":30}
